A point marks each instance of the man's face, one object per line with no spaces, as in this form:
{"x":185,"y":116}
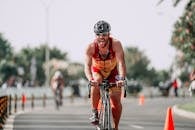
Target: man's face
{"x":102,"y":39}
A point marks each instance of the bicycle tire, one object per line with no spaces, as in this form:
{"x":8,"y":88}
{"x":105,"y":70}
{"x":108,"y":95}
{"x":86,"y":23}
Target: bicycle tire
{"x":108,"y":115}
{"x":105,"y":115}
{"x":57,"y":98}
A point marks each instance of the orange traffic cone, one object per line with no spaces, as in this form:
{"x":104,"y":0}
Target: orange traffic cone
{"x":141,"y":100}
{"x":169,"y":123}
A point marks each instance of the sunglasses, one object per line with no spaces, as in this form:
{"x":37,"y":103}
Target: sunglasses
{"x":102,"y":34}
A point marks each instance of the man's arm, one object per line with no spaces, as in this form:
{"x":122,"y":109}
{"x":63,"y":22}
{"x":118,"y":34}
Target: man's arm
{"x":192,"y":75}
{"x":88,"y":63}
{"x":120,"y":59}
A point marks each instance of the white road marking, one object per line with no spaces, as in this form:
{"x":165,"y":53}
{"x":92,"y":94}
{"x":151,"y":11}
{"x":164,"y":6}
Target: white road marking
{"x":137,"y":127}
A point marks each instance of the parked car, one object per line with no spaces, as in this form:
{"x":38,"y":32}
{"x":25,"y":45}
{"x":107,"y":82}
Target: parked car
{"x":164,"y":87}
{"x":133,"y":87}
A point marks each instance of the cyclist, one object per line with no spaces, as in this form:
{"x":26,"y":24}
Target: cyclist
{"x":192,"y":84}
{"x":192,"y":75}
{"x":104,"y":59}
{"x":57,"y":81}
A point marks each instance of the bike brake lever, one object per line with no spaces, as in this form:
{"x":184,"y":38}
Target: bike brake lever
{"x":125,"y":93}
{"x":89,"y":88}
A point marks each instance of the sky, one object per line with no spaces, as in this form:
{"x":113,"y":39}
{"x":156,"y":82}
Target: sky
{"x":68,"y":25}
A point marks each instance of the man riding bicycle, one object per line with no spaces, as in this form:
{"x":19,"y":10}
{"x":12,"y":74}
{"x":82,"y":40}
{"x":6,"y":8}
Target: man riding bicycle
{"x":104,"y":59}
{"x":57,"y":82}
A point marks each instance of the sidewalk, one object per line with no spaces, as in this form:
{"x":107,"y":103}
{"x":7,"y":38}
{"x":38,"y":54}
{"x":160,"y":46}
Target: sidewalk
{"x":182,"y":112}
{"x":185,"y":110}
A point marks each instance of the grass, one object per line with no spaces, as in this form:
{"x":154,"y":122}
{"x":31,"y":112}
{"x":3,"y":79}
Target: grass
{"x":188,"y":107}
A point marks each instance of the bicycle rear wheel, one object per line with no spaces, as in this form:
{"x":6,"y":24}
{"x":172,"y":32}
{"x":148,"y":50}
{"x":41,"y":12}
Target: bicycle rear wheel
{"x":57,"y":98}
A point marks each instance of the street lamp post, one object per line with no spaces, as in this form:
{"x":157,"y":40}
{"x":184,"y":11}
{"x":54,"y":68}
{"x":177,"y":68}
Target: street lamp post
{"x":47,"y":52}
{"x":47,"y":39}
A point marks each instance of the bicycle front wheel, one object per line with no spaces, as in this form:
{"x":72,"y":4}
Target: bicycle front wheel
{"x":57,"y":98}
{"x":107,"y":125}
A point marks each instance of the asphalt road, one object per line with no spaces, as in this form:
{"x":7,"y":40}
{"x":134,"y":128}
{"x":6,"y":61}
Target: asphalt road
{"x":74,"y":115}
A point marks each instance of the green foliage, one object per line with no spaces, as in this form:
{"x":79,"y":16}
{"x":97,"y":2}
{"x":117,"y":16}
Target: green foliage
{"x":175,"y":2}
{"x":184,"y":76}
{"x":161,"y":76}
{"x":139,"y":69}
{"x":25,"y":56}
{"x":136,"y":63}
{"x":56,"y":53}
{"x":9,"y":63}
{"x":7,"y":69}
{"x":183,"y":37}
{"x":6,"y":51}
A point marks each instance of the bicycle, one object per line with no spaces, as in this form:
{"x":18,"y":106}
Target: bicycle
{"x":58,"y":98}
{"x":105,"y":114}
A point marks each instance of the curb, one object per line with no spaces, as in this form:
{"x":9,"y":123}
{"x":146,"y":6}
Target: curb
{"x":183,"y":113}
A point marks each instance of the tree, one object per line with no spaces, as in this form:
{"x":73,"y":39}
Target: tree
{"x":183,"y":37}
{"x":7,"y":69}
{"x":138,"y":65}
{"x":6,"y":51}
{"x":175,"y":2}
{"x":22,"y":60}
{"x":161,"y":76}
{"x":24,"y":57}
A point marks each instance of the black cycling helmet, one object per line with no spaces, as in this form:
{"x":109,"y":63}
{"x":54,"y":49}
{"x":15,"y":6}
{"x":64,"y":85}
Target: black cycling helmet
{"x":102,"y":27}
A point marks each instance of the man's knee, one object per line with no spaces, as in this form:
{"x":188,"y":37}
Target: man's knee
{"x":97,"y":77}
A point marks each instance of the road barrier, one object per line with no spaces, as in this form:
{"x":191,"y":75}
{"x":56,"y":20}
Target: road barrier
{"x":13,"y":99}
{"x":7,"y":103}
{"x":3,"y":110}
{"x":32,"y":101}
{"x":15,"y":103}
{"x":44,"y":99}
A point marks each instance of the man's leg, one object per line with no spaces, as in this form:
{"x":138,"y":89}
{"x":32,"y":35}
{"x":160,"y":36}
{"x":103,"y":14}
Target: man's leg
{"x":95,"y":91}
{"x":95,"y":97}
{"x":115,"y":97}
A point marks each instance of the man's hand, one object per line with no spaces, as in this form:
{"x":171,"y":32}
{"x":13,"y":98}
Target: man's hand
{"x":120,"y":83}
{"x":94,"y":83}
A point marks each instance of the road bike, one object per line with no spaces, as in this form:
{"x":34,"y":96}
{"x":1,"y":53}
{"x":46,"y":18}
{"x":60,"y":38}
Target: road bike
{"x":105,"y":112}
{"x":58,"y":97}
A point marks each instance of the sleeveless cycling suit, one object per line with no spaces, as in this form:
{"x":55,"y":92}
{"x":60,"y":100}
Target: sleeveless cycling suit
{"x":107,"y":66}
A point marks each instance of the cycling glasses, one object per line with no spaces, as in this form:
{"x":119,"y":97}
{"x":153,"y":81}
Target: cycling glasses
{"x":102,"y":34}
